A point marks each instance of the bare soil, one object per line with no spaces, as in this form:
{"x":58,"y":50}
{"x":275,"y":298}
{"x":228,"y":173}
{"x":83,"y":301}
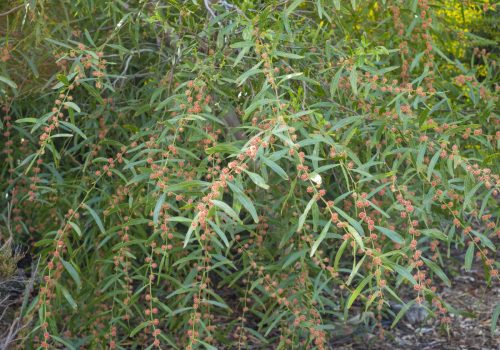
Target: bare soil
{"x":468,"y":294}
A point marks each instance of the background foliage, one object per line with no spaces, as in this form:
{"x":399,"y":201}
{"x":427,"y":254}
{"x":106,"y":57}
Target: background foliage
{"x":217,"y":175}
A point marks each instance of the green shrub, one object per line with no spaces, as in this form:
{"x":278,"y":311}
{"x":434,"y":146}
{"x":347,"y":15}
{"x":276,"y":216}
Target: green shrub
{"x":244,"y":180}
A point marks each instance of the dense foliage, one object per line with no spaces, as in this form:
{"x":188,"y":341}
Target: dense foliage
{"x":205,"y":174}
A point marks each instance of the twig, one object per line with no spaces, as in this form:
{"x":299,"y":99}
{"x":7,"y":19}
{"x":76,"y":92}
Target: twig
{"x":8,"y":224}
{"x":11,"y":10}
{"x":16,"y":325}
{"x":207,"y":5}
{"x":227,"y":6}
{"x":127,"y":62}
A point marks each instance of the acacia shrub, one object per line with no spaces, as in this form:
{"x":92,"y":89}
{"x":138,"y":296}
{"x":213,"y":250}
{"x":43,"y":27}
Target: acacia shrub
{"x":363,"y":153}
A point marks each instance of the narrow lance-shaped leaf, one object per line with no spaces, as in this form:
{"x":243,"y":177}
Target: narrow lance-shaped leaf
{"x":245,"y":201}
{"x":67,"y":295}
{"x":76,"y":228}
{"x":394,"y":236}
{"x":8,"y":82}
{"x":355,"y":270}
{"x":357,"y":291}
{"x":437,"y":270}
{"x":227,"y":209}
{"x":275,"y":167}
{"x":73,"y":273}
{"x":219,"y":232}
{"x":158,"y":207}
{"x":402,"y":312}
{"x":258,"y":180}
{"x":469,"y":256}
{"x":494,"y":318}
{"x":303,"y":217}
{"x":356,"y":236}
{"x":192,"y":227}
{"x":320,"y":238}
{"x":95,"y":217}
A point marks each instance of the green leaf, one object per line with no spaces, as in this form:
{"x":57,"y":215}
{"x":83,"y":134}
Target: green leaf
{"x":275,"y":322}
{"x":68,"y":345}
{"x":288,"y":55}
{"x":187,"y":185}
{"x":416,"y":60}
{"x":391,"y":234}
{"x":303,"y":217}
{"x":258,"y":180}
{"x":227,"y":209}
{"x":139,"y":328}
{"x":73,"y":273}
{"x":218,"y":304}
{"x":60,"y":135}
{"x":76,"y":228}
{"x":353,"y":79}
{"x":350,"y":220}
{"x":240,"y":56}
{"x":437,"y":270}
{"x":357,"y":291}
{"x":293,"y":6}
{"x":27,"y":120}
{"x":67,"y":295}
{"x":41,"y":121}
{"x":158,"y":206}
{"x":320,"y":238}
{"x":206,"y":345}
{"x":485,"y":240}
{"x":440,"y":53}
{"x":243,"y":77}
{"x":89,"y":38}
{"x":190,"y":231}
{"x":275,"y":167}
{"x":339,"y":254}
{"x":95,"y":216}
{"x":434,"y":233}
{"x":73,"y":105}
{"x":293,"y":258}
{"x":356,"y":236}
{"x":58,"y":43}
{"x":219,"y":232}
{"x":242,"y":44}
{"x":469,"y":256}
{"x":355,"y":270}
{"x":73,"y":128}
{"x":226,"y":148}
{"x":344,"y":122}
{"x":404,"y":273}
{"x":420,"y":156}
{"x":8,"y":82}
{"x":297,"y":76}
{"x":431,"y":166}
{"x":245,"y":201}
{"x":470,"y":194}
{"x":494,"y":318}
{"x":335,"y":82}
{"x":402,"y":312}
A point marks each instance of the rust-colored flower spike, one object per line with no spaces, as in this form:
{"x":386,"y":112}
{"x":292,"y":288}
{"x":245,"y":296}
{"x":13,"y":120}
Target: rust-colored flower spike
{"x":359,"y":176}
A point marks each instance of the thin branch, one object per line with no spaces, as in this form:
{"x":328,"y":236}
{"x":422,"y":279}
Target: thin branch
{"x":17,"y":325}
{"x":127,"y":62}
{"x":11,"y":10}
{"x":8,"y":225}
{"x":207,"y":5}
